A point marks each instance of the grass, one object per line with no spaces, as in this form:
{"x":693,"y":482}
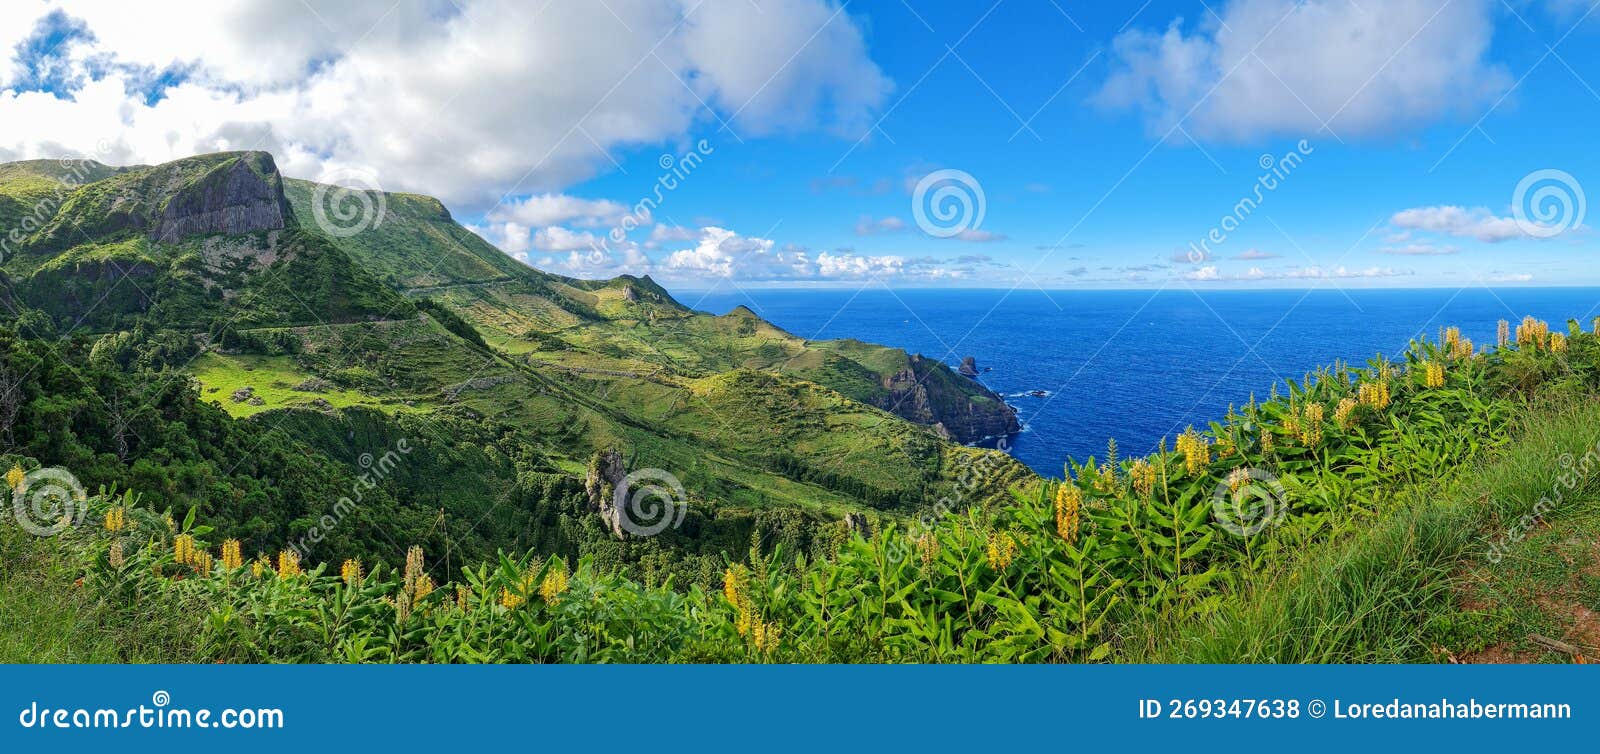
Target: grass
{"x":46,"y":617}
{"x":1418,"y":582}
{"x":1546,"y":585}
{"x":272,"y":380}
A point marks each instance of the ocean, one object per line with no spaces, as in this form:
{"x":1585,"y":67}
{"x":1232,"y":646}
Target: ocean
{"x":1140,"y":366}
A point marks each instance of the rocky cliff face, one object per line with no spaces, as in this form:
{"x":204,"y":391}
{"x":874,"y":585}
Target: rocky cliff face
{"x":239,"y":196}
{"x":928,"y":392}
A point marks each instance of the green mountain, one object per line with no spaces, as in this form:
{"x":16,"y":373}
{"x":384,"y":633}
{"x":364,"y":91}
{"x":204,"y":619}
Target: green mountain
{"x":207,"y":291}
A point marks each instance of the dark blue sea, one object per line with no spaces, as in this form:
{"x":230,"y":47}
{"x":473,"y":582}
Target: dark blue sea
{"x":1140,"y":366}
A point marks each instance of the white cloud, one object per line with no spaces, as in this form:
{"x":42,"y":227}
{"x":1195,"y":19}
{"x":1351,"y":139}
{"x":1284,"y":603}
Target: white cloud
{"x":975,"y":235}
{"x":671,"y":234}
{"x":1458,"y":221}
{"x":1421,"y":250}
{"x":1263,"y":67}
{"x":867,"y":226}
{"x":1210,"y":273}
{"x":1255,"y":254}
{"x":559,"y":209}
{"x":462,"y":99}
{"x":719,"y":253}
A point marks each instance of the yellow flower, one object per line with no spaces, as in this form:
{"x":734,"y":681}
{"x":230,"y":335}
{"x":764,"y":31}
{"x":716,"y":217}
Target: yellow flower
{"x":1433,"y":375}
{"x":261,"y":566}
{"x":764,"y":636}
{"x":1463,"y":349}
{"x":1311,"y":425}
{"x":350,"y":573}
{"x":510,"y":601}
{"x":422,"y":588}
{"x":1196,"y":451}
{"x":1532,"y":332}
{"x":288,"y":564}
{"x":461,"y":597}
{"x":1236,"y":479}
{"x":1558,"y":343}
{"x":1375,"y":394}
{"x":1452,"y":338}
{"x":183,"y":549}
{"x":1001,"y":551}
{"x":1143,"y":476}
{"x":1503,"y":334}
{"x":555,"y":582}
{"x":928,"y":547}
{"x":202,"y":562}
{"x":116,"y":519}
{"x":1344,"y":413}
{"x":1105,"y":479}
{"x":1069,"y":502}
{"x":737,"y":589}
{"x":1266,"y":440}
{"x":231,"y":558}
{"x":15,"y":476}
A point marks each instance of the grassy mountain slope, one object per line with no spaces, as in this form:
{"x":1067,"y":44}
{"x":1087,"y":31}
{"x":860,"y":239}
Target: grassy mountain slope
{"x":217,"y":267}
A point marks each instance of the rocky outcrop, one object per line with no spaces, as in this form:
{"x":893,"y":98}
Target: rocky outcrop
{"x":856,"y":524}
{"x":969,"y":367}
{"x":242,"y":195}
{"x":962,"y":409}
{"x":605,"y":473}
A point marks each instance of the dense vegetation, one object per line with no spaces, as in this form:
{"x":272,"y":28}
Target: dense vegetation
{"x":1336,"y":522}
{"x":190,"y":332}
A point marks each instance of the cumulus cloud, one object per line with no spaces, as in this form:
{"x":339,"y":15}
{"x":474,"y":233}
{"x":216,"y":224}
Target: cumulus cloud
{"x":463,"y":99}
{"x":1477,"y":223}
{"x":1255,"y":254}
{"x":560,"y":209}
{"x":1264,"y":67}
{"x":717,"y":253}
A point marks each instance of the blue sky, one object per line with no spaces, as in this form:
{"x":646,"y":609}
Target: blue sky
{"x":1108,"y":139}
